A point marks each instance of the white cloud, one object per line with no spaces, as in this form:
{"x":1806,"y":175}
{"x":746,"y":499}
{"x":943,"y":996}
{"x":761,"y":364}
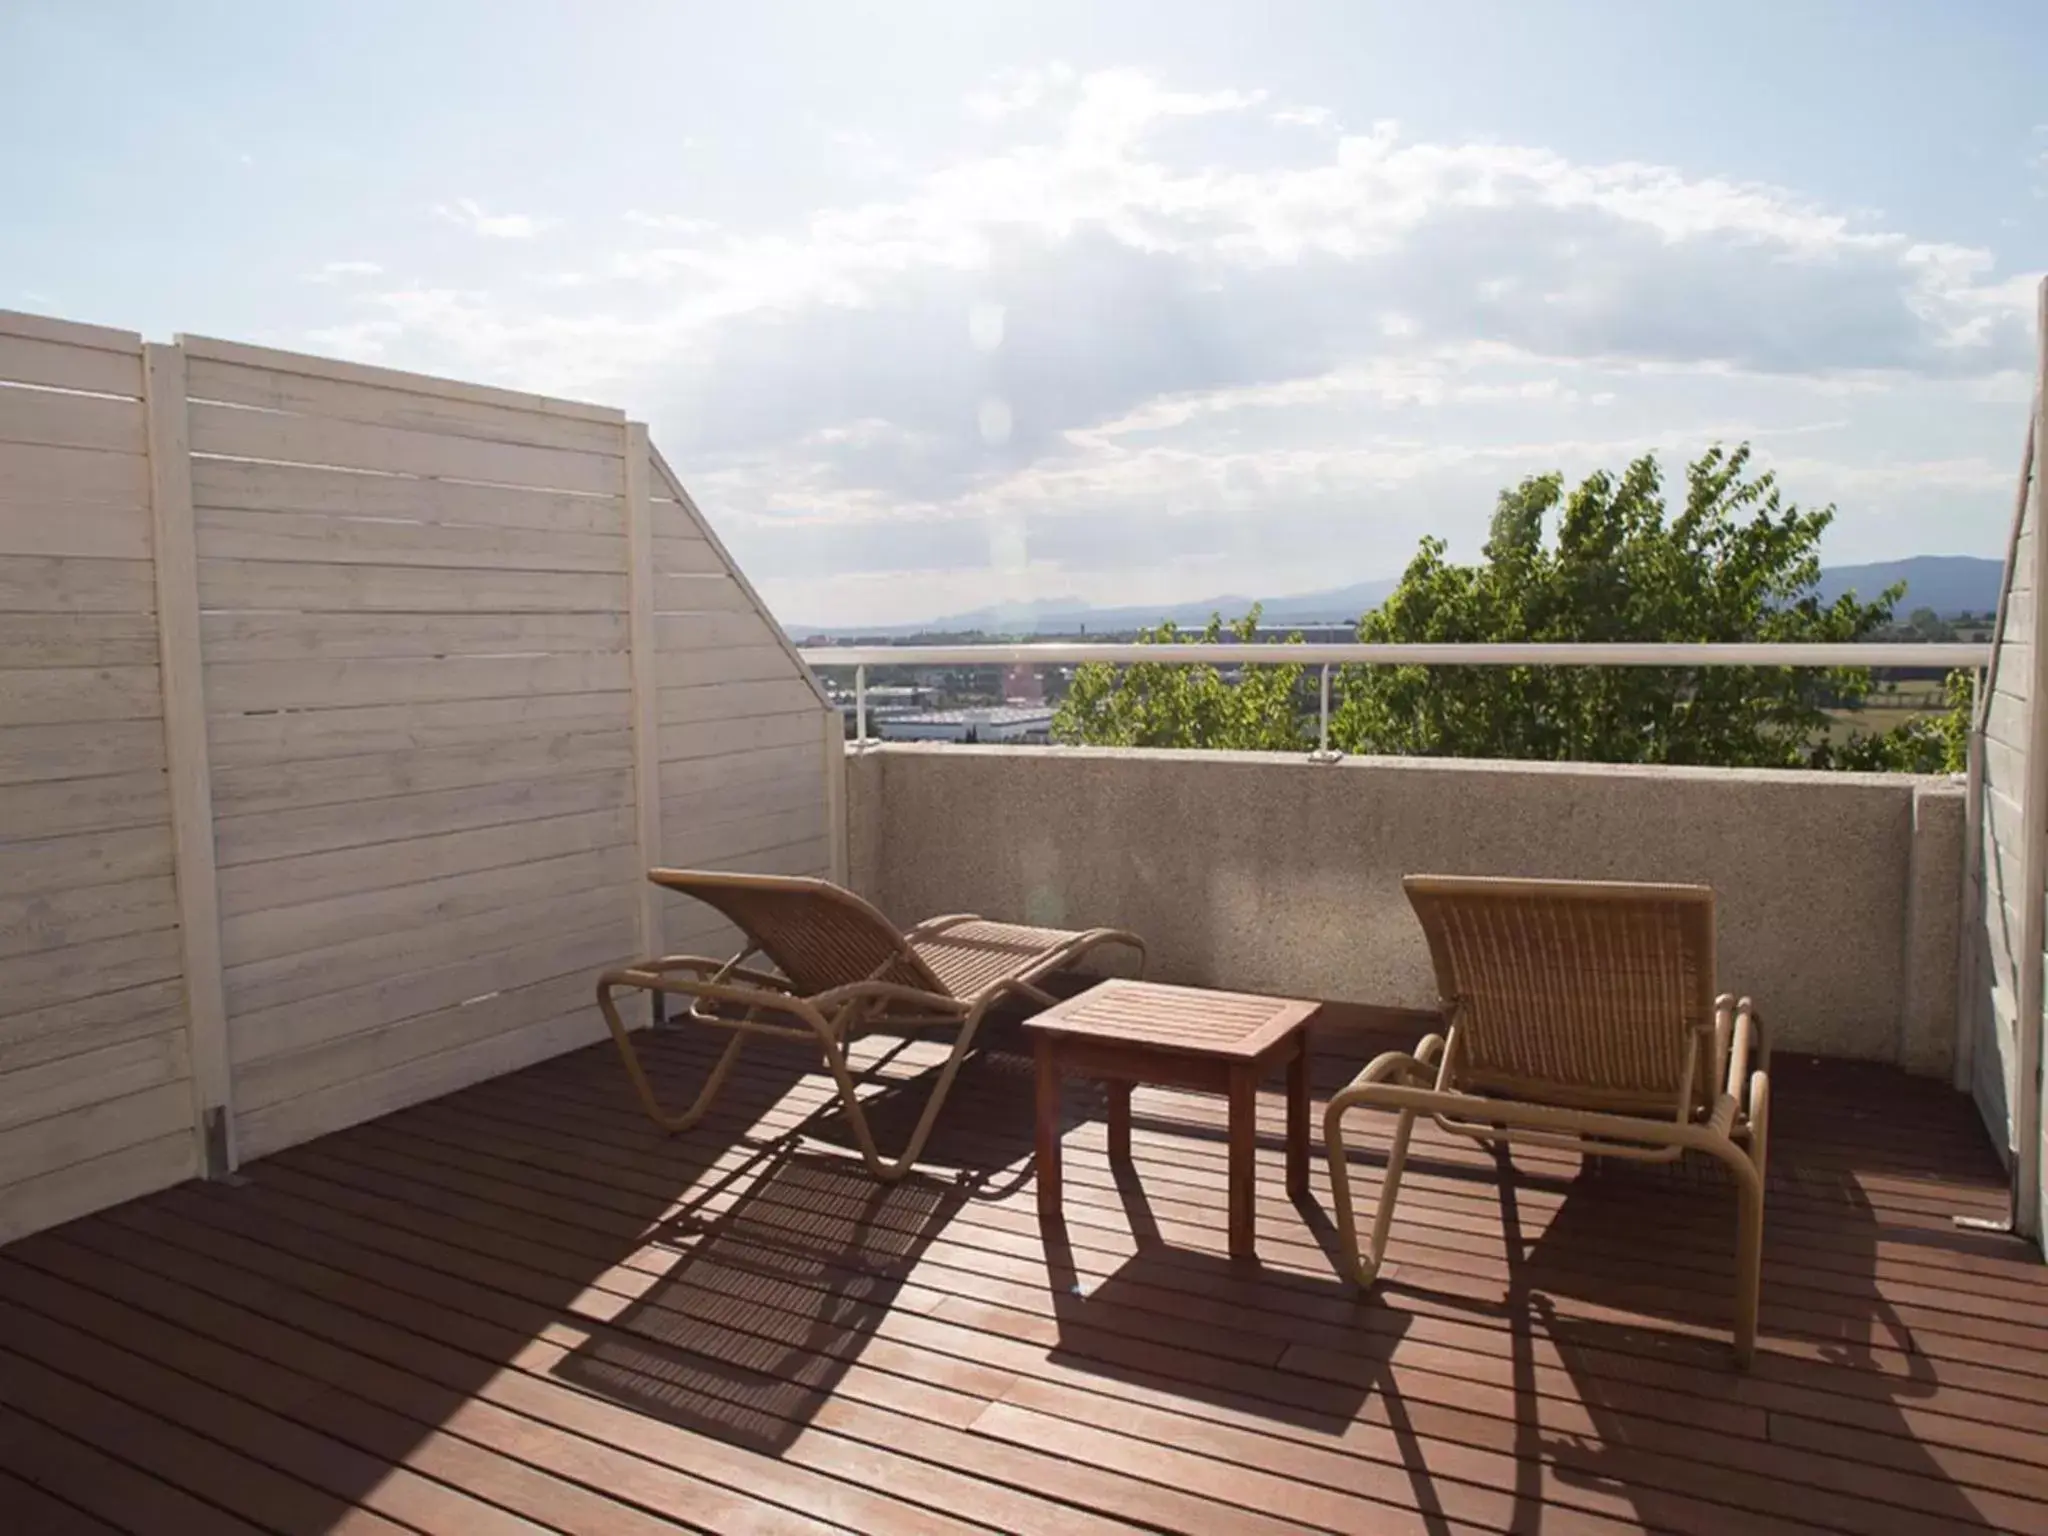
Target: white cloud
{"x":471,"y":216}
{"x":1229,"y":338}
{"x":341,"y":271}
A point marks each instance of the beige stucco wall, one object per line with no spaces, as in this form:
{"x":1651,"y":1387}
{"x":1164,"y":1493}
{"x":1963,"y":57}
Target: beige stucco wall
{"x":1838,"y":892}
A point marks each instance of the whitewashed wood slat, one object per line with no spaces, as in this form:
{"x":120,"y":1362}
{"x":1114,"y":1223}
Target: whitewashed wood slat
{"x":295,"y":735}
{"x":60,"y":420}
{"x":71,"y":585}
{"x":44,"y":978}
{"x":388,"y":1000}
{"x":306,"y":830}
{"x":381,"y":405}
{"x":65,"y":365}
{"x":711,"y":631}
{"x":245,"y":434}
{"x":665,"y":481}
{"x":238,"y":485}
{"x":328,"y":588}
{"x":31,"y":754}
{"x":801,"y":791}
{"x":318,"y":538}
{"x":244,"y":687}
{"x":315,"y":973}
{"x":92,"y":1130}
{"x":739,"y":664}
{"x":83,"y":913}
{"x":258,"y":787}
{"x":737,"y":737}
{"x":374,"y":1052}
{"x":286,"y":1124}
{"x":369,"y":636}
{"x":36,"y":1093}
{"x":32,"y":473}
{"x":67,"y":1193}
{"x":695,"y":845}
{"x":70,"y":333}
{"x":733,"y":701}
{"x":80,"y":531}
{"x":838,"y":827}
{"x":381,"y":866}
{"x":699,"y":594}
{"x":214,"y":349}
{"x":2006,"y":720}
{"x":90,"y":1024}
{"x":77,"y":640}
{"x":646,"y":681}
{"x":691,"y":556}
{"x":35,"y":866}
{"x":68,"y":695}
{"x":270,"y":932}
{"x":700,"y":776}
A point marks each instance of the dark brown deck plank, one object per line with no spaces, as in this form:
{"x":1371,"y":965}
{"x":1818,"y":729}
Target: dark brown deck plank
{"x":524,"y":1302}
{"x":1825,"y":1472}
{"x":33,"y":1512}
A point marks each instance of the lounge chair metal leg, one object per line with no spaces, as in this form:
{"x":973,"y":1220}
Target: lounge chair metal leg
{"x":713,"y":1081}
{"x":890,"y":1170}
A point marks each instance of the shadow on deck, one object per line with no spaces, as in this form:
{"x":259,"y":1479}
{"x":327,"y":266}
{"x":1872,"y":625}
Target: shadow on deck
{"x":521,"y":1306}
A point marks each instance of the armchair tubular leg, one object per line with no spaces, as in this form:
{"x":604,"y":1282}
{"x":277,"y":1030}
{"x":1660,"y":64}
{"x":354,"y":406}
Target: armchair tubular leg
{"x":644,"y":1090}
{"x":1398,"y":1083}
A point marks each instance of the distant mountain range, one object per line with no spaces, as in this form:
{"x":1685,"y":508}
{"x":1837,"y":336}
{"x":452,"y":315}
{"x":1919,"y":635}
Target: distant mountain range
{"x":1949,"y":584}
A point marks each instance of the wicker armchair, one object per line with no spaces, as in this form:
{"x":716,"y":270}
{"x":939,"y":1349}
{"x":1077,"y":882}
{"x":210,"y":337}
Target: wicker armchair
{"x":1580,"y":1015}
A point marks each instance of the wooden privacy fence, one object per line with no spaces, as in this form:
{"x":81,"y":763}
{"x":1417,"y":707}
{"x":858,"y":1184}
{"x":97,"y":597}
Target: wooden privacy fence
{"x":340,"y":711}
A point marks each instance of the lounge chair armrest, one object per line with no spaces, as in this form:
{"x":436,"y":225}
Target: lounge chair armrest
{"x":704,"y":966}
{"x":886,"y":992}
{"x":932,"y":925}
{"x":744,"y":996}
{"x":1747,"y":1042}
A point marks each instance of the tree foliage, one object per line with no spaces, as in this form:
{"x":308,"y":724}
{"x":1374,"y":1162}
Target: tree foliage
{"x":1610,"y":560}
{"x":1154,"y":704}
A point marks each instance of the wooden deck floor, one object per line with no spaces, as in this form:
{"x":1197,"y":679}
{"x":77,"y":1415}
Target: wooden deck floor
{"x":518,"y":1308}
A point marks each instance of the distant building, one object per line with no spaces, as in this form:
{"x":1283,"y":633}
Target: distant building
{"x":1021,"y":685}
{"x":1023,"y":725}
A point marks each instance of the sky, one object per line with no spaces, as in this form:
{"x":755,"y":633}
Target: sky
{"x":935,"y":306}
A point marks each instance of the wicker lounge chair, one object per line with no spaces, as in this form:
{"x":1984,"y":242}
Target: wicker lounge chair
{"x":841,"y":970}
{"x":1580,"y":1015}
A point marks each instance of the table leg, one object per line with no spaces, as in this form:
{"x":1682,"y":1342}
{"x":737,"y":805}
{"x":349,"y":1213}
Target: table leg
{"x":1119,"y":1096}
{"x":1048,"y":1131}
{"x":1297,"y":1122}
{"x":1244,"y":1141}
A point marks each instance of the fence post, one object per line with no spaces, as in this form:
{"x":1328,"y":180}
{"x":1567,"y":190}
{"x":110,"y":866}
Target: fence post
{"x":646,"y":686}
{"x":190,"y":778}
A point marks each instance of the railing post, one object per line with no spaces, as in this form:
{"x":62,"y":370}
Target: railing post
{"x":1322,"y":753}
{"x":860,"y":706}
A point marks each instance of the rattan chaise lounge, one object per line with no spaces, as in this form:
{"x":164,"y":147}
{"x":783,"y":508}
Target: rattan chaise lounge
{"x":841,"y":970}
{"x":1580,"y":1015}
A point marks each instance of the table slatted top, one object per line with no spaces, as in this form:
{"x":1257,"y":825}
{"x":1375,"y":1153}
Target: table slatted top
{"x":1193,"y":1020}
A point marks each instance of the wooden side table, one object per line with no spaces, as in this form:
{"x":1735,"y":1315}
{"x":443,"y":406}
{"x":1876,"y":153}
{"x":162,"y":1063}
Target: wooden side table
{"x":1129,"y":1032}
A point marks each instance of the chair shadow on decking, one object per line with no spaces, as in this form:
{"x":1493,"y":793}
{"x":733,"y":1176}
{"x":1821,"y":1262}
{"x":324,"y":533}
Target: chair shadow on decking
{"x":1627,"y":1287}
{"x":769,"y":1302}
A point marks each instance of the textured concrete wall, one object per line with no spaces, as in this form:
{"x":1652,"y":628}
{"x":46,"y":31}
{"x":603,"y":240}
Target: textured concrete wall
{"x":1837,"y":892}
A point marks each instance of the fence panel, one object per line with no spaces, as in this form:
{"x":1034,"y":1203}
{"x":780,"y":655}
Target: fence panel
{"x":418,"y":692}
{"x":96,"y":1090}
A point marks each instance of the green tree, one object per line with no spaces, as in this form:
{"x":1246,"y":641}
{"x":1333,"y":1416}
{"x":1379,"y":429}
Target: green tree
{"x":1155,"y":704}
{"x":1609,"y":561}
{"x":1926,"y":744}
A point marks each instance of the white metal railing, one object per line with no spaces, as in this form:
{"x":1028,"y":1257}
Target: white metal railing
{"x":1271,"y":654}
